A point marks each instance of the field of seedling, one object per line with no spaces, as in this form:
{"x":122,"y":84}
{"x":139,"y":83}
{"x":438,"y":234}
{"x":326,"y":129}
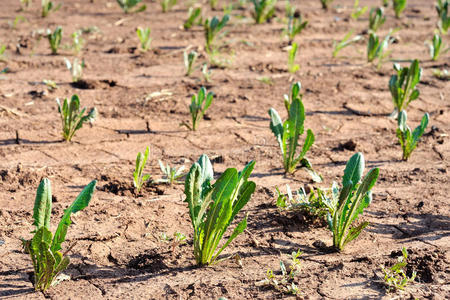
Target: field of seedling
{"x":224,"y":149}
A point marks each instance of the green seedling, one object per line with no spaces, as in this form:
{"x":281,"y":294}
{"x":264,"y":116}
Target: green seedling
{"x":284,"y":283}
{"x":189,"y":61}
{"x":212,"y":207}
{"x":212,"y":29}
{"x":177,"y":239}
{"x":17,"y":20}
{"x":295,"y":26}
{"x":51,"y":85}
{"x":408,"y":139}
{"x":287,"y":135}
{"x":47,"y":7}
{"x":127,"y":5}
{"x":346,"y":41}
{"x":377,"y":48}
{"x":206,"y":73}
{"x":346,"y":204}
{"x":198,"y":107}
{"x":376,"y":18}
{"x":75,"y":68}
{"x":395,"y":277}
{"x":55,"y":39}
{"x":441,"y":74}
{"x":292,"y":53}
{"x":4,"y":71}
{"x":436,"y":47}
{"x":263,"y":10}
{"x":265,"y":79}
{"x":213,"y":4}
{"x":2,"y":52}
{"x":167,"y":5}
{"x":228,"y":9}
{"x":144,"y":37}
{"x":403,"y":85}
{"x":399,"y":6}
{"x":139,"y":178}
{"x":194,"y":17}
{"x":326,"y":3}
{"x":72,"y":117}
{"x":311,"y":203}
{"x":444,"y":19}
{"x":77,"y":42}
{"x":172,"y":175}
{"x":44,"y":248}
{"x":294,"y":93}
{"x":358,"y":11}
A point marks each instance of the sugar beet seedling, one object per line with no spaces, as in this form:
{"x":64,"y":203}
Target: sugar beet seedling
{"x":376,"y":18}
{"x":127,"y":5}
{"x":172,"y":174}
{"x":55,"y":39}
{"x":194,"y":16}
{"x":212,"y":207}
{"x":212,"y":28}
{"x":403,"y":85}
{"x":198,"y":107}
{"x":347,"y":203}
{"x":287,"y":135}
{"x":139,"y":178}
{"x":144,"y":38}
{"x":44,"y":249}
{"x":408,"y":139}
{"x":263,"y":10}
{"x":72,"y":118}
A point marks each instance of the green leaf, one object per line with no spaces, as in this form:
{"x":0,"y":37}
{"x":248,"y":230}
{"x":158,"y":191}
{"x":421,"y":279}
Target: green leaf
{"x":43,"y":205}
{"x":353,"y":170}
{"x":354,"y":232}
{"x":80,"y":203}
{"x":237,"y":231}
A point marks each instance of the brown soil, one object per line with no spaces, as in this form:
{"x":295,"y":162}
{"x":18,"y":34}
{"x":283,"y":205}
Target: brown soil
{"x":119,"y":252}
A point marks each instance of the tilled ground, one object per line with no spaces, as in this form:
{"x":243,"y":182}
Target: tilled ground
{"x":119,"y":252}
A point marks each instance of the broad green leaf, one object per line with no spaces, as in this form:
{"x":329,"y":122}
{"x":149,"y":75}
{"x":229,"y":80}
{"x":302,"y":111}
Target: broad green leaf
{"x":80,"y":203}
{"x":43,"y":205}
{"x":353,"y":170}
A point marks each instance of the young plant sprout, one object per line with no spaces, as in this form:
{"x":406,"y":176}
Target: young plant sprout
{"x":77,"y":42}
{"x":75,"y":68}
{"x":189,"y":61}
{"x":72,"y":117}
{"x":311,"y":203}
{"x":358,"y":11}
{"x":213,"y":4}
{"x":194,"y":17}
{"x":47,"y":7}
{"x":167,"y":5}
{"x":172,"y":175}
{"x":55,"y":39}
{"x":144,"y":37}
{"x":139,"y":178}
{"x":263,"y":10}
{"x":376,"y":18}
{"x":377,"y":48}
{"x":441,"y":74}
{"x":2,"y":52}
{"x":325,"y":3}
{"x":395,"y":277}
{"x":346,"y":204}
{"x":408,"y":139}
{"x":435,"y":47}
{"x":346,"y":41}
{"x":127,"y":5}
{"x":292,"y":53}
{"x":399,"y":7}
{"x":287,"y":135}
{"x":295,"y":26}
{"x":284,"y":283}
{"x":444,"y":19}
{"x":44,"y":248}
{"x":295,"y":93}
{"x":51,"y":85}
{"x":212,"y":207}
{"x":207,"y":73}
{"x":198,"y":107}
{"x":402,"y":85}
{"x":212,"y":29}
